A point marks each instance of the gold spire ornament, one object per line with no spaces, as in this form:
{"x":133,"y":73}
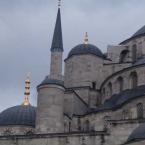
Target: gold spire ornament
{"x":27,"y":91}
{"x":59,"y":3}
{"x":86,"y":40}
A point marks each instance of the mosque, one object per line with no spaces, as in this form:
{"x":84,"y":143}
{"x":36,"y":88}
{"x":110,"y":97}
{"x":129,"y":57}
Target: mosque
{"x":100,"y":99}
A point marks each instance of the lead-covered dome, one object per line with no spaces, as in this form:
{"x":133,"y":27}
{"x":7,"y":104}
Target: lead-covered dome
{"x":86,"y":49}
{"x":138,"y":134}
{"x":18,"y":115}
{"x":140,"y":32}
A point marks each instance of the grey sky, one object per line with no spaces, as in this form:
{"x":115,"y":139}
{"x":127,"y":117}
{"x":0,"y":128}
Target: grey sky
{"x":26,"y":29}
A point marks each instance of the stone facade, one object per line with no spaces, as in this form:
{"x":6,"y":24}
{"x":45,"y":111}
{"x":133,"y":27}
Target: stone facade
{"x":99,"y":101}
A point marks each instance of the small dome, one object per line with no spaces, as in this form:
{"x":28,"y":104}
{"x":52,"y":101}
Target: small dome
{"x":138,"y":134}
{"x":140,"y":32}
{"x":86,"y":49}
{"x":18,"y":115}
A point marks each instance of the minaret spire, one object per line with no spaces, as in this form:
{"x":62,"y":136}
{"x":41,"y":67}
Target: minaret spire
{"x":57,"y":42}
{"x":57,"y":48}
{"x":27,"y":91}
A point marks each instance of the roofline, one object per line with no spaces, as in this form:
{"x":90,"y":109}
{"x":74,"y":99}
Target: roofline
{"x":131,"y":38}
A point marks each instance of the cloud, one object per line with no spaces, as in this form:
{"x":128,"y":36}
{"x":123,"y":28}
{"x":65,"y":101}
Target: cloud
{"x":26,"y":29}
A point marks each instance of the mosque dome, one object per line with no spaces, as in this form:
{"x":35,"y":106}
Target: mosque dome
{"x":85,"y":49}
{"x":18,"y":115}
{"x":138,"y":134}
{"x":140,"y":32}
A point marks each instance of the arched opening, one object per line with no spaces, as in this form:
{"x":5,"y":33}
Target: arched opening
{"x":69,"y":127}
{"x":106,"y":119}
{"x":94,"y":85}
{"x":79,"y":124}
{"x":134,"y":52}
{"x":87,"y":125}
{"x":123,"y":56}
{"x":110,"y":89}
{"x":120,"y":83}
{"x":139,"y":110}
{"x":133,"y":80}
{"x":104,"y":92}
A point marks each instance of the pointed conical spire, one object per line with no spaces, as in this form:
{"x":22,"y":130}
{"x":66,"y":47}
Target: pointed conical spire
{"x":57,"y":42}
{"x":27,"y":91}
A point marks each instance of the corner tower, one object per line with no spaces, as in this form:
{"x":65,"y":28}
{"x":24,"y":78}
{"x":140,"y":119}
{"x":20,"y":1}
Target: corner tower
{"x":49,"y":117}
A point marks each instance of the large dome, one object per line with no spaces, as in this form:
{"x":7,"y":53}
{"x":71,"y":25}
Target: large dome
{"x":18,"y":115}
{"x":140,"y":32}
{"x":86,"y":49}
{"x":138,"y":134}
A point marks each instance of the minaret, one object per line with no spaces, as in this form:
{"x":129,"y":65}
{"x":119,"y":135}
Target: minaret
{"x":57,"y":48}
{"x":49,"y":118}
{"x":27,"y":91}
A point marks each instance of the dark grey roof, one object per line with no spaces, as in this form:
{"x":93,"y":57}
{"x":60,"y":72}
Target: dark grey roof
{"x":57,"y":42}
{"x":138,"y":134}
{"x":18,"y":115}
{"x":116,"y":101}
{"x":86,"y":49}
{"x":139,"y":61}
{"x":47,"y":81}
{"x":140,"y":32}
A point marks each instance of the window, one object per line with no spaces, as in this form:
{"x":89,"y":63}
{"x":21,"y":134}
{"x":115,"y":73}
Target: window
{"x":104,"y":92}
{"x":123,"y":56}
{"x":79,"y":124}
{"x":133,"y":80}
{"x":106,"y":118}
{"x":69,"y":127}
{"x":87,"y":125}
{"x":139,"y":110}
{"x":134,"y":53}
{"x":110,"y":89}
{"x":120,"y":84}
{"x":94,"y":85}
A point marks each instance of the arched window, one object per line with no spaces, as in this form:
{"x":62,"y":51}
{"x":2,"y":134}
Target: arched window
{"x":94,"y":85}
{"x":87,"y":125}
{"x":79,"y":124}
{"x":104,"y":92}
{"x":120,"y":84}
{"x":133,"y":80}
{"x":134,"y":52}
{"x":69,"y":127}
{"x":124,"y":114}
{"x":106,"y":119}
{"x":110,"y":89}
{"x":139,"y":110}
{"x":123,"y":56}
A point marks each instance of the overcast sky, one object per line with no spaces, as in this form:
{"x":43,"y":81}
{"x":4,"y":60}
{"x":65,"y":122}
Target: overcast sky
{"x":26,"y":30}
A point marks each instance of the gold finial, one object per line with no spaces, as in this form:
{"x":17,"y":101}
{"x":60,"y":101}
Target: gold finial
{"x":86,"y":40}
{"x":59,"y":3}
{"x":27,"y":91}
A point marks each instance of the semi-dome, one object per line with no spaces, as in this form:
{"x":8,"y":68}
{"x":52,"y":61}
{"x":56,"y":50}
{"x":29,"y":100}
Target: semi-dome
{"x":86,"y":49}
{"x":140,"y":32}
{"x":18,"y":115}
{"x":138,"y":134}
